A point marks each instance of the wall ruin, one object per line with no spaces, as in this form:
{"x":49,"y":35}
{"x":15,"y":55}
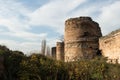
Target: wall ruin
{"x":110,"y":46}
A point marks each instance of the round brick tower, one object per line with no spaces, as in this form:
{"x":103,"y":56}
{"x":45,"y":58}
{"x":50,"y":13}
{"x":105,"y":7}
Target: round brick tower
{"x":60,"y":51}
{"x":81,"y":38}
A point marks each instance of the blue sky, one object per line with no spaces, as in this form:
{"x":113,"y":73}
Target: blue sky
{"x":24,"y":23}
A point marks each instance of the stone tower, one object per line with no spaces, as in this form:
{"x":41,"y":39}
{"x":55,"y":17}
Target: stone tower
{"x":53,"y":52}
{"x":60,"y":51}
{"x":81,"y":38}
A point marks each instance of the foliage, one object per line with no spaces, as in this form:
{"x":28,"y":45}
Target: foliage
{"x":11,"y":62}
{"x":43,"y":46}
{"x":38,"y":67}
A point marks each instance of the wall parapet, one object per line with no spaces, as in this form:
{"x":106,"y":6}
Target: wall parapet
{"x":112,"y":34}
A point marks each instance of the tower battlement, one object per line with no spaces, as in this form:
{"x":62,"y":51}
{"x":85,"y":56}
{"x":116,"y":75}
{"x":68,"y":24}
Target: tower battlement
{"x":77,"y":20}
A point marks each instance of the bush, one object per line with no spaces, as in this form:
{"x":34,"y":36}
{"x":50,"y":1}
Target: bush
{"x":38,"y":67}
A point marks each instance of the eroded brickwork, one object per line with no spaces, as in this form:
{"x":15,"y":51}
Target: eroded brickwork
{"x":81,"y":38}
{"x":110,"y":46}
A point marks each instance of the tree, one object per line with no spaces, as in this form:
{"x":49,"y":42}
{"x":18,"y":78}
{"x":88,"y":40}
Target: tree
{"x":43,"y":46}
{"x":61,"y":38}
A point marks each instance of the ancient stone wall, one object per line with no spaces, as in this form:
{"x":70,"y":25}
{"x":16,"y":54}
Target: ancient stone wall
{"x":60,"y":51}
{"x":81,"y":38}
{"x":110,"y":46}
{"x":53,"y":52}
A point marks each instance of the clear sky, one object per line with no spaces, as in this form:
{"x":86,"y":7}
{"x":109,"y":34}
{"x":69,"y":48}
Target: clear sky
{"x":24,"y":23}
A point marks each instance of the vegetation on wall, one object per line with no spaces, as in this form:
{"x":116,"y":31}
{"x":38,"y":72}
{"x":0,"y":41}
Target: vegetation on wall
{"x":38,"y":67}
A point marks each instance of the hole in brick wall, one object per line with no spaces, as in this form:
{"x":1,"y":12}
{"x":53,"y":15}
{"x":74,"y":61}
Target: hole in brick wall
{"x":99,"y":52}
{"x":86,"y":34}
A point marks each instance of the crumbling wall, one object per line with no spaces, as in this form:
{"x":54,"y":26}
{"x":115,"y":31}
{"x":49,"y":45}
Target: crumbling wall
{"x":81,"y":38}
{"x":110,"y":46}
{"x":60,"y":51}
